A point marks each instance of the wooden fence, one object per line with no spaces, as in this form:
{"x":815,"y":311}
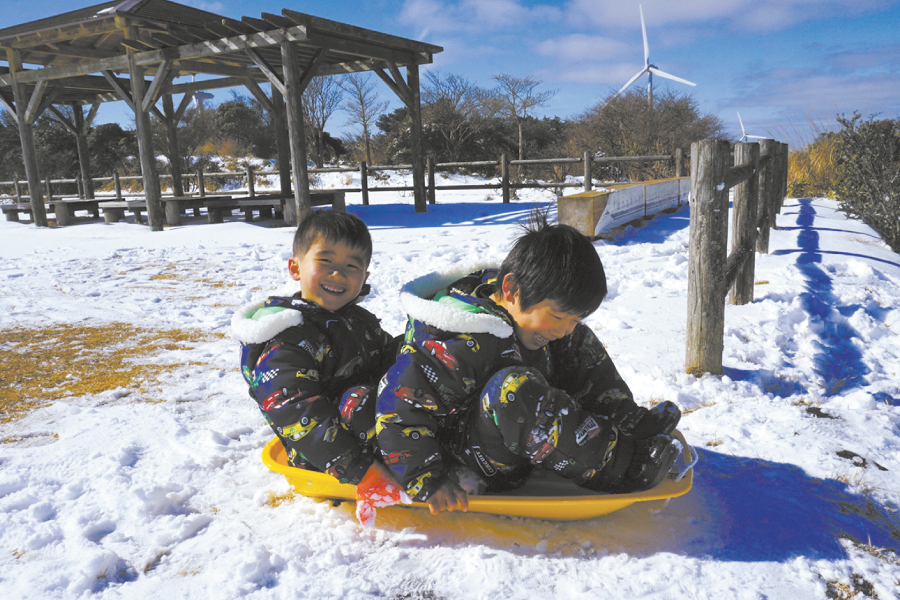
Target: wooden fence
{"x":506,"y":182}
{"x":759,"y":178}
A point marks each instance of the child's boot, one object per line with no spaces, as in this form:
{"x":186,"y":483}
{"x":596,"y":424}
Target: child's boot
{"x":653,"y":457}
{"x":661,"y":419}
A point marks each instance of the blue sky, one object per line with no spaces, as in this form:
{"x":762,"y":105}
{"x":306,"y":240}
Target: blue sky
{"x":777,"y":62}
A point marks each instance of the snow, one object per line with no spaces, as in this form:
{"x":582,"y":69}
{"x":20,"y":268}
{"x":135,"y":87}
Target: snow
{"x":151,"y":490}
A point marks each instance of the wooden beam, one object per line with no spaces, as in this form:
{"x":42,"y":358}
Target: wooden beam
{"x":401,"y":83}
{"x":391,"y":84}
{"x":89,"y":119}
{"x":62,"y":118}
{"x":84,"y":154}
{"x":267,"y":70}
{"x":31,"y":111}
{"x":211,"y":48}
{"x":120,"y":89}
{"x":416,"y":147}
{"x":295,"y":210}
{"x":182,"y":107}
{"x":26,"y":138}
{"x":260,"y":95}
{"x":310,"y":72}
{"x":163,"y":76}
{"x":9,"y":105}
{"x":350,"y":32}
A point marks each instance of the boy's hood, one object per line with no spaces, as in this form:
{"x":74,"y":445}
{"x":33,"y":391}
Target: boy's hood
{"x":414,"y":300}
{"x":257,"y":322}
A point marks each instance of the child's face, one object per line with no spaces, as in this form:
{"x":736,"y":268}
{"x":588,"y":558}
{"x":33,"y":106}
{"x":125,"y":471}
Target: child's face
{"x":539,"y":324}
{"x":331,"y":274}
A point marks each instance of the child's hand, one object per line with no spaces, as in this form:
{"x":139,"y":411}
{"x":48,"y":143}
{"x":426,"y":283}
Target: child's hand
{"x":378,"y":488}
{"x":449,"y":497}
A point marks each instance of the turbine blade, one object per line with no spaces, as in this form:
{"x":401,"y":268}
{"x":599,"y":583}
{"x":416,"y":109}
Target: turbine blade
{"x":668,"y":76}
{"x":644,"y":31}
{"x":630,"y":81}
{"x":743,"y":132}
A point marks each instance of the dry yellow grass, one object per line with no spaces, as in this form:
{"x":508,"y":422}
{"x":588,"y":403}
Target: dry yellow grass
{"x":58,"y":361}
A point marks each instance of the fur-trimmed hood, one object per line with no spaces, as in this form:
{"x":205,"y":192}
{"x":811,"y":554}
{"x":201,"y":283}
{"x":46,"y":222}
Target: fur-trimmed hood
{"x":414,"y":298}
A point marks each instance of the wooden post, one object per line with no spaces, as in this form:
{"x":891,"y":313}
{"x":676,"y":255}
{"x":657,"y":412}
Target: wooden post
{"x":707,"y":257}
{"x":79,"y":189}
{"x":84,"y":154}
{"x":588,"y":180}
{"x":679,"y":162}
{"x":364,"y":182}
{"x":766,"y":181}
{"x":785,"y":165}
{"x":251,"y":189}
{"x":155,"y":212}
{"x":429,"y":166}
{"x":49,"y":190}
{"x":282,"y":142}
{"x":18,"y":189}
{"x":26,"y":137}
{"x":117,"y":184}
{"x":504,"y":177}
{"x":301,"y":205}
{"x":174,"y":152}
{"x":416,"y":146}
{"x":744,"y":224}
{"x":201,"y":184}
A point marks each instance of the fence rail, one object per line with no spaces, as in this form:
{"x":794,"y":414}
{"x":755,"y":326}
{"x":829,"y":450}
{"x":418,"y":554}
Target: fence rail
{"x":759,"y":178}
{"x":506,"y":182}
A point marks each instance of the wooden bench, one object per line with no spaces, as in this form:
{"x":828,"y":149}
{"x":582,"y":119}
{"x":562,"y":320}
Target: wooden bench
{"x":114,"y":211}
{"x":176,"y":205}
{"x":64,"y":209}
{"x":265,"y":205}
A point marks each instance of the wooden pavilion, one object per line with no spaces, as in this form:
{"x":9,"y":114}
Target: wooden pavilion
{"x":132,"y":50}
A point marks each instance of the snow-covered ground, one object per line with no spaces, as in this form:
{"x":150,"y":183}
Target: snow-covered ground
{"x":153,"y":487}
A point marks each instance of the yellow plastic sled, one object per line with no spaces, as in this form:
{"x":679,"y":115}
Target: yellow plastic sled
{"x":544,"y":496}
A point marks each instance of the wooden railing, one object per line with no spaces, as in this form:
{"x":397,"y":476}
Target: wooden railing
{"x":506,"y":181}
{"x":759,"y":179}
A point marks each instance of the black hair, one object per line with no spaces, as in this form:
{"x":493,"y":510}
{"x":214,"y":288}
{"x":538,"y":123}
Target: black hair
{"x":555,"y":262}
{"x":333,"y":226}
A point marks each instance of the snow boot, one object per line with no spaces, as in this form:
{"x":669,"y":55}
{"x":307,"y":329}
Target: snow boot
{"x":653,"y":457}
{"x":661,"y":419}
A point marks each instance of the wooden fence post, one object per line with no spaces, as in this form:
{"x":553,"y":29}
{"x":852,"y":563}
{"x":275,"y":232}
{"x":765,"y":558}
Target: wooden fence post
{"x":364,"y":182}
{"x":49,"y":190}
{"x":18,"y":189}
{"x":588,"y":178}
{"x":679,"y":162}
{"x":785,"y":166}
{"x":201,"y":185}
{"x":117,"y":184}
{"x":766,"y":182}
{"x":251,"y":190}
{"x":429,"y":166}
{"x":746,"y":198}
{"x":504,"y":177}
{"x":707,"y":257}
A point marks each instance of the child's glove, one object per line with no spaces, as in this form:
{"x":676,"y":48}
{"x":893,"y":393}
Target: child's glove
{"x":377,"y":488}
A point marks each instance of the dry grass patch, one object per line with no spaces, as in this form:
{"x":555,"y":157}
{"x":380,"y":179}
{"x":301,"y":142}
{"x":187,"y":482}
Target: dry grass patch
{"x":49,"y":363}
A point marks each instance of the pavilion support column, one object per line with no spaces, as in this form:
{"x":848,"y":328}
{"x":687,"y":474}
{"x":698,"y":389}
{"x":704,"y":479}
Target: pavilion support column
{"x":418,"y":155}
{"x":172,"y":137}
{"x":155,"y":213}
{"x":84,"y":154}
{"x":26,"y":137}
{"x":282,"y":141}
{"x":294,"y":212}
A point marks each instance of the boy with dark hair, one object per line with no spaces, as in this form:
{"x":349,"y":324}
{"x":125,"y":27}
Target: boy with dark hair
{"x":313,"y":360}
{"x":497,"y":372}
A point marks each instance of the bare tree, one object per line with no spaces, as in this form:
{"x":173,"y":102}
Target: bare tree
{"x":364,"y":107}
{"x":321,"y":98}
{"x":518,"y":97}
{"x":456,"y":108}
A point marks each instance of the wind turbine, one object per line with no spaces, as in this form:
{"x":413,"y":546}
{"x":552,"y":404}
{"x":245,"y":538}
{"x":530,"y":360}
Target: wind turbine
{"x":744,"y":136}
{"x":649,"y":68}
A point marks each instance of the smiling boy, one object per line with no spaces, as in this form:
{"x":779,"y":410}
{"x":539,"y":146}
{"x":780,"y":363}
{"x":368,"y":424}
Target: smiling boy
{"x":312,"y":360}
{"x":514,"y":380}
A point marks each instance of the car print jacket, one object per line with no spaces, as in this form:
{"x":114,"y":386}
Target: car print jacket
{"x":299,"y":360}
{"x":455,"y":340}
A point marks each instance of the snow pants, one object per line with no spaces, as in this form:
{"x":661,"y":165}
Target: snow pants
{"x":520,"y":422}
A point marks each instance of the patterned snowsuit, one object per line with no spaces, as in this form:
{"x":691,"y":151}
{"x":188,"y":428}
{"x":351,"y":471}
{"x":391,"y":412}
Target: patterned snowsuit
{"x":313,"y":373}
{"x":464,"y":389}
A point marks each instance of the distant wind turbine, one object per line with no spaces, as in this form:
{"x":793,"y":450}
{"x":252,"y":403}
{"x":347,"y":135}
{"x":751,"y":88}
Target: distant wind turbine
{"x":649,"y":69}
{"x":744,"y":136}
